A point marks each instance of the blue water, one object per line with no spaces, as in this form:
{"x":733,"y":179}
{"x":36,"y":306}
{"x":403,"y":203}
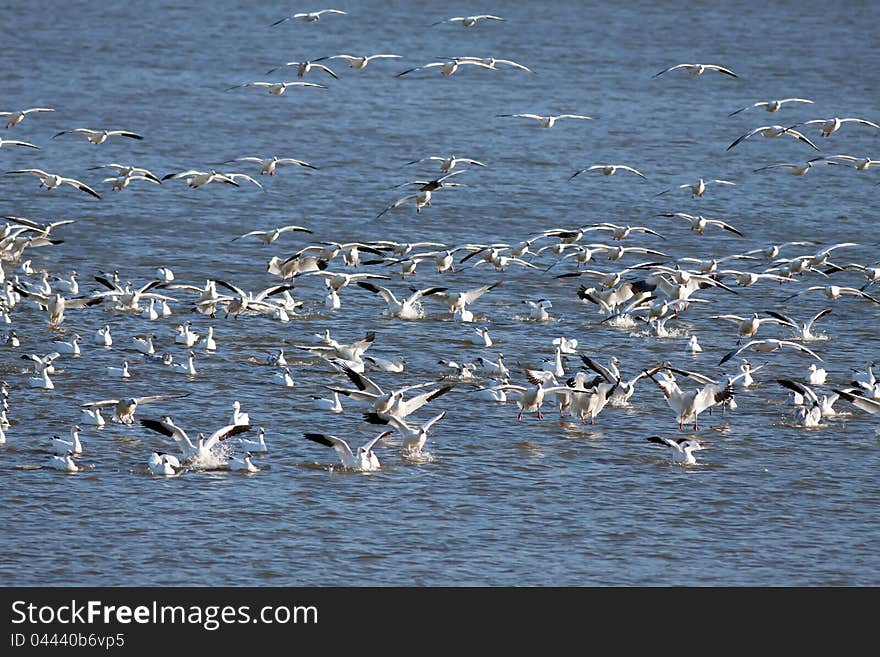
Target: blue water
{"x":501,"y":502}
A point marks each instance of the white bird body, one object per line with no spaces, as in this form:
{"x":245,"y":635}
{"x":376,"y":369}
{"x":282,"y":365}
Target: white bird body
{"x":364,"y":460}
{"x":62,"y":447}
{"x":238,"y":417}
{"x":64,"y":463}
{"x":283,"y":378}
{"x":242,"y":464}
{"x":682,"y":448}
{"x":257,"y":446}
{"x":163,"y":464}
{"x":550,"y":120}
{"x":203,"y":453}
{"x":92,"y":417}
{"x":698,"y":69}
{"x":333,"y":405}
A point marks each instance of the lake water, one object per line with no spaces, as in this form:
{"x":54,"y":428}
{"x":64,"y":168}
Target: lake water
{"x":501,"y":502}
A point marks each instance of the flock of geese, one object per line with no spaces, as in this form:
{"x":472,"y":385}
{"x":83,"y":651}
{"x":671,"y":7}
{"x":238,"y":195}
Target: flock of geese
{"x":643,"y":298}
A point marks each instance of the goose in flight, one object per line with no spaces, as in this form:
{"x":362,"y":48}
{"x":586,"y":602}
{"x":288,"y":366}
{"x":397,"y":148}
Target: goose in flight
{"x":699,"y":222}
{"x":269,"y":164}
{"x":125,"y":170}
{"x":196,"y":179}
{"x":16,"y":142}
{"x":771,"y":105}
{"x":548,"y":121}
{"x":689,"y":405}
{"x":767,"y":346}
{"x":269,"y":236}
{"x":608,"y":170}
{"x":421,"y":200}
{"x":747,"y":326}
{"x":124,"y":408}
{"x":858,"y":163}
{"x":364,"y":460}
{"x":304,"y":67}
{"x":447,"y":164}
{"x":866,"y":404}
{"x":99,"y":136}
{"x":771,"y":132}
{"x":492,"y":63}
{"x":829,"y":126}
{"x":682,"y":448}
{"x":447,"y":68}
{"x":278,"y":88}
{"x":834,"y":292}
{"x":698,"y":69}
{"x":389,"y":402}
{"x":53,"y":180}
{"x":407,"y":308}
{"x":797,"y":169}
{"x":200,"y":453}
{"x":414,"y":437}
{"x":55,"y":304}
{"x":804,"y":329}
{"x":247,"y":300}
{"x":309,"y":16}
{"x":698,"y":188}
{"x":121,"y":182}
{"x":14,"y":118}
{"x":360,"y":62}
{"x":468,"y":21}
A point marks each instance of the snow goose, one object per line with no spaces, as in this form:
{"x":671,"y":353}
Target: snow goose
{"x":283,"y":378}
{"x":447,"y":164}
{"x":195,"y":179}
{"x":699,"y":222}
{"x":364,"y":460}
{"x":16,"y":142}
{"x":71,"y":347}
{"x":697,"y":189}
{"x":188,"y":368}
{"x":767,"y":346}
{"x":482,"y":337}
{"x":278,"y":88}
{"x":64,"y":463}
{"x":123,"y":409}
{"x":92,"y":417}
{"x":333,"y":405}
{"x":103,"y":336}
{"x":144,"y":344}
{"x":185,"y":335}
{"x":608,"y":170}
{"x":242,"y":464}
{"x":693,"y":346}
{"x":305,"y":66}
{"x":414,"y":436}
{"x":61,"y":447}
{"x":164,"y":464}
{"x":408,"y":308}
{"x":747,"y":326}
{"x":797,"y":169}
{"x":99,"y":136}
{"x":804,"y":329}
{"x":16,"y":117}
{"x":359,"y":62}
{"x":468,"y":21}
{"x":202,"y":453}
{"x":42,"y":380}
{"x":682,"y":448}
{"x":269,"y":236}
{"x":119,"y":372}
{"x":771,"y":132}
{"x":697,"y":69}
{"x":548,"y":121}
{"x":257,"y":446}
{"x":858,"y":163}
{"x":238,"y":417}
{"x":829,"y":126}
{"x":689,"y":405}
{"x":309,"y":16}
{"x":210,"y":342}
{"x":771,"y":105}
{"x":55,"y":304}
{"x":270,"y":164}
{"x":390,"y":402}
{"x":816,"y":375}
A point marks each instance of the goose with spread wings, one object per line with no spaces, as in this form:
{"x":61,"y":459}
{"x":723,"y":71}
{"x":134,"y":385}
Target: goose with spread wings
{"x":202,"y":452}
{"x":688,"y":405}
{"x":363,"y":460}
{"x":407,"y":308}
{"x":124,"y":409}
{"x":53,"y":181}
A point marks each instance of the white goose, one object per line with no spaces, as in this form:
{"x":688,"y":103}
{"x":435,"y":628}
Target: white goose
{"x":54,"y":180}
{"x":682,"y":448}
{"x":333,"y":405}
{"x":408,"y":308}
{"x":257,"y":446}
{"x":414,"y":437}
{"x":92,"y":417}
{"x":64,"y":463}
{"x":119,"y":372}
{"x":364,"y":460}
{"x":62,"y":447}
{"x":163,"y":464}
{"x":242,"y":464}
{"x":283,"y":378}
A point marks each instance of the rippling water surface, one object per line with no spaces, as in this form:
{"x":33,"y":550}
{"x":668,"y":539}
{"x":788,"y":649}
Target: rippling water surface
{"x":501,"y":502}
